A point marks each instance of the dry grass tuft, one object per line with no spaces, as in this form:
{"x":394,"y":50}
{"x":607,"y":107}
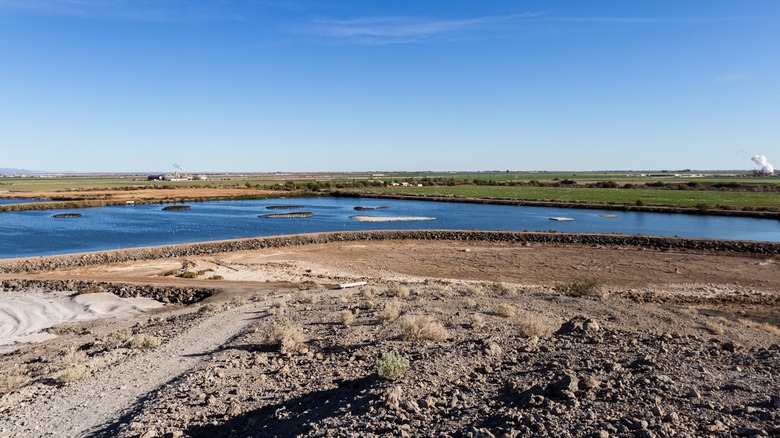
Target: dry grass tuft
{"x":278,"y":308}
{"x":90,"y":290}
{"x":210,"y":307}
{"x":117,"y":338}
{"x":422,"y":328}
{"x":390,"y":311}
{"x":368,"y":292}
{"x":238,"y":301}
{"x":306,"y":297}
{"x":143,"y":341}
{"x":398,"y":290}
{"x":505,"y":310}
{"x":369,"y":305}
{"x":471,"y":302}
{"x":345,"y":296}
{"x":216,"y":277}
{"x":73,"y":373}
{"x":283,"y":334}
{"x":714,"y":328}
{"x":477,"y":321}
{"x":583,"y":287}
{"x":769,"y":328}
{"x":472,"y":290}
{"x":12,"y":383}
{"x":346,"y":317}
{"x":188,"y":274}
{"x":529,"y":326}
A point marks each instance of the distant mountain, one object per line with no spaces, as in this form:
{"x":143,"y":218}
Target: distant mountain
{"x":11,"y":170}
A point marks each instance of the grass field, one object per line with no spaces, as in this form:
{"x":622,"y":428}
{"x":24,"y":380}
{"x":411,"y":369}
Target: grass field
{"x":683,"y":198}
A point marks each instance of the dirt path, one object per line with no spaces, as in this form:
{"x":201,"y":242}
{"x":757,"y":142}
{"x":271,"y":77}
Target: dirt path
{"x":96,"y":405}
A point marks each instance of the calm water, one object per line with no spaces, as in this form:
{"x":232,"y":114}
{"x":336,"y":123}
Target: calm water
{"x":34,"y":233}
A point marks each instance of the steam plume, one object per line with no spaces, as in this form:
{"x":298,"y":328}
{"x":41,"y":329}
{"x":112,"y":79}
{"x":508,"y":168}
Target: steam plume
{"x":760,"y":160}
{"x":176,"y":166}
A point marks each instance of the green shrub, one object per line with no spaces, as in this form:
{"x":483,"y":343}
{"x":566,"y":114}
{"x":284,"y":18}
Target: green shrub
{"x":391,"y":366}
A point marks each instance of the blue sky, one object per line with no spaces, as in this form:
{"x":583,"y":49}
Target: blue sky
{"x":244,"y":85}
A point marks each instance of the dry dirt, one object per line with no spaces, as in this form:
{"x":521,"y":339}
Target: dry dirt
{"x":700,"y":359}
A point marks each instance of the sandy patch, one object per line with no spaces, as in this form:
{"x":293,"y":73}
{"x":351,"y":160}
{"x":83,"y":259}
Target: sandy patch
{"x":24,"y":315}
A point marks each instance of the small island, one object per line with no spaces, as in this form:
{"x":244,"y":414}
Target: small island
{"x":284,"y":207}
{"x":176,"y":207}
{"x":61,"y":215}
{"x":288,"y":215}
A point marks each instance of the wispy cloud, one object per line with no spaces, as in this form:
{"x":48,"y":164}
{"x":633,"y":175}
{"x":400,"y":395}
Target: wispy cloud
{"x":389,"y":30}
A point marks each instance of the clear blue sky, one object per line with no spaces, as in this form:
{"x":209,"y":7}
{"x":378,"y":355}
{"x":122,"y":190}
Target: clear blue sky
{"x":245,"y":85}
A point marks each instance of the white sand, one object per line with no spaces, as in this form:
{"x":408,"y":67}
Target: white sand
{"x":24,"y":315}
{"x":390,"y":219}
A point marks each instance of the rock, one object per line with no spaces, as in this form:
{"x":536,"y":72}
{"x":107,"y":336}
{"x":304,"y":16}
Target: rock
{"x":672,"y":417}
{"x":578,"y":324}
{"x":589,"y":382}
{"x":644,"y":433}
{"x":428,"y":402}
{"x":693,"y":393}
{"x":532,"y":396}
{"x":749,"y":431}
{"x":569,"y":382}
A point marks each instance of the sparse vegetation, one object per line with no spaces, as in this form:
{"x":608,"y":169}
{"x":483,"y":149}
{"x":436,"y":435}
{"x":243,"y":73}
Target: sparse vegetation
{"x":72,"y":373}
{"x":90,"y":290}
{"x":171,"y":273}
{"x":472,"y":290}
{"x":12,"y":383}
{"x":529,"y":326}
{"x":505,"y":310}
{"x":238,"y":300}
{"x":390,"y":311}
{"x":278,"y":308}
{"x":583,"y":287}
{"x":397,"y":290}
{"x":143,"y":341}
{"x":216,"y":277}
{"x":422,"y":328}
{"x":391,"y":366}
{"x":714,"y":328}
{"x":283,"y":334}
{"x":210,"y":307}
{"x":368,"y":292}
{"x":306,"y":297}
{"x":346,"y":317}
{"x":477,"y":321}
{"x":765,"y":326}
{"x":117,"y":338}
{"x":188,"y":274}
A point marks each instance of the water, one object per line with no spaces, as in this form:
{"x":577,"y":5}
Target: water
{"x":19,"y":201}
{"x":33,"y":233}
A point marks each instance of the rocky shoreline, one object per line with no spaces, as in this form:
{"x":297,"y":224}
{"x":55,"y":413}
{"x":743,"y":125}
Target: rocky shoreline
{"x":165,"y":294}
{"x":191,"y":249}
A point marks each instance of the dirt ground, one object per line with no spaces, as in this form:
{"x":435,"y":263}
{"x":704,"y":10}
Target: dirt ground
{"x":672,"y":344}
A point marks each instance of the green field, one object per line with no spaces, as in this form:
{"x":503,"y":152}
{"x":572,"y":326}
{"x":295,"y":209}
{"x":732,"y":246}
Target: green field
{"x":683,"y":198}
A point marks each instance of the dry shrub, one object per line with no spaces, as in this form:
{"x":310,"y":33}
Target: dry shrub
{"x":210,"y":307}
{"x":422,"y":328}
{"x":722,"y":320}
{"x":692,"y":310}
{"x":346,"y":317}
{"x":306,"y":297}
{"x":583,"y":287}
{"x":238,"y":301}
{"x":278,"y":308}
{"x":90,"y":290}
{"x":472,"y":290}
{"x":117,"y":338}
{"x":398,"y":290}
{"x":188,"y":274}
{"x":369,"y":305}
{"x":71,"y":374}
{"x":345,"y":296}
{"x":715,"y":329}
{"x":529,"y":326}
{"x":390,"y":311}
{"x":143,"y":341}
{"x":477,"y":321}
{"x":216,"y":277}
{"x":504,"y":288}
{"x":283,"y":334}
{"x":505,"y":310}
{"x":769,"y":328}
{"x":471,"y":302}
{"x":368,"y":292}
{"x":12,"y":383}
{"x":171,"y":273}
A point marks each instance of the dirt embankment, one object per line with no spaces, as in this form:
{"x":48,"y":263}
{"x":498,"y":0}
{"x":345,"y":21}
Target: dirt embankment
{"x":195,"y":249}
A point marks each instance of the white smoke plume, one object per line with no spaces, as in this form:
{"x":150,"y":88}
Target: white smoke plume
{"x":176,"y":166}
{"x":760,"y":160}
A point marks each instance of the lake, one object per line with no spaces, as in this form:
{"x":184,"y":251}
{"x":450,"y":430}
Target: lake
{"x":33,"y":233}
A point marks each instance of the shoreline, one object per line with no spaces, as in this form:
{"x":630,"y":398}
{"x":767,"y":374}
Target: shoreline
{"x":565,"y":204}
{"x":39,"y":263}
